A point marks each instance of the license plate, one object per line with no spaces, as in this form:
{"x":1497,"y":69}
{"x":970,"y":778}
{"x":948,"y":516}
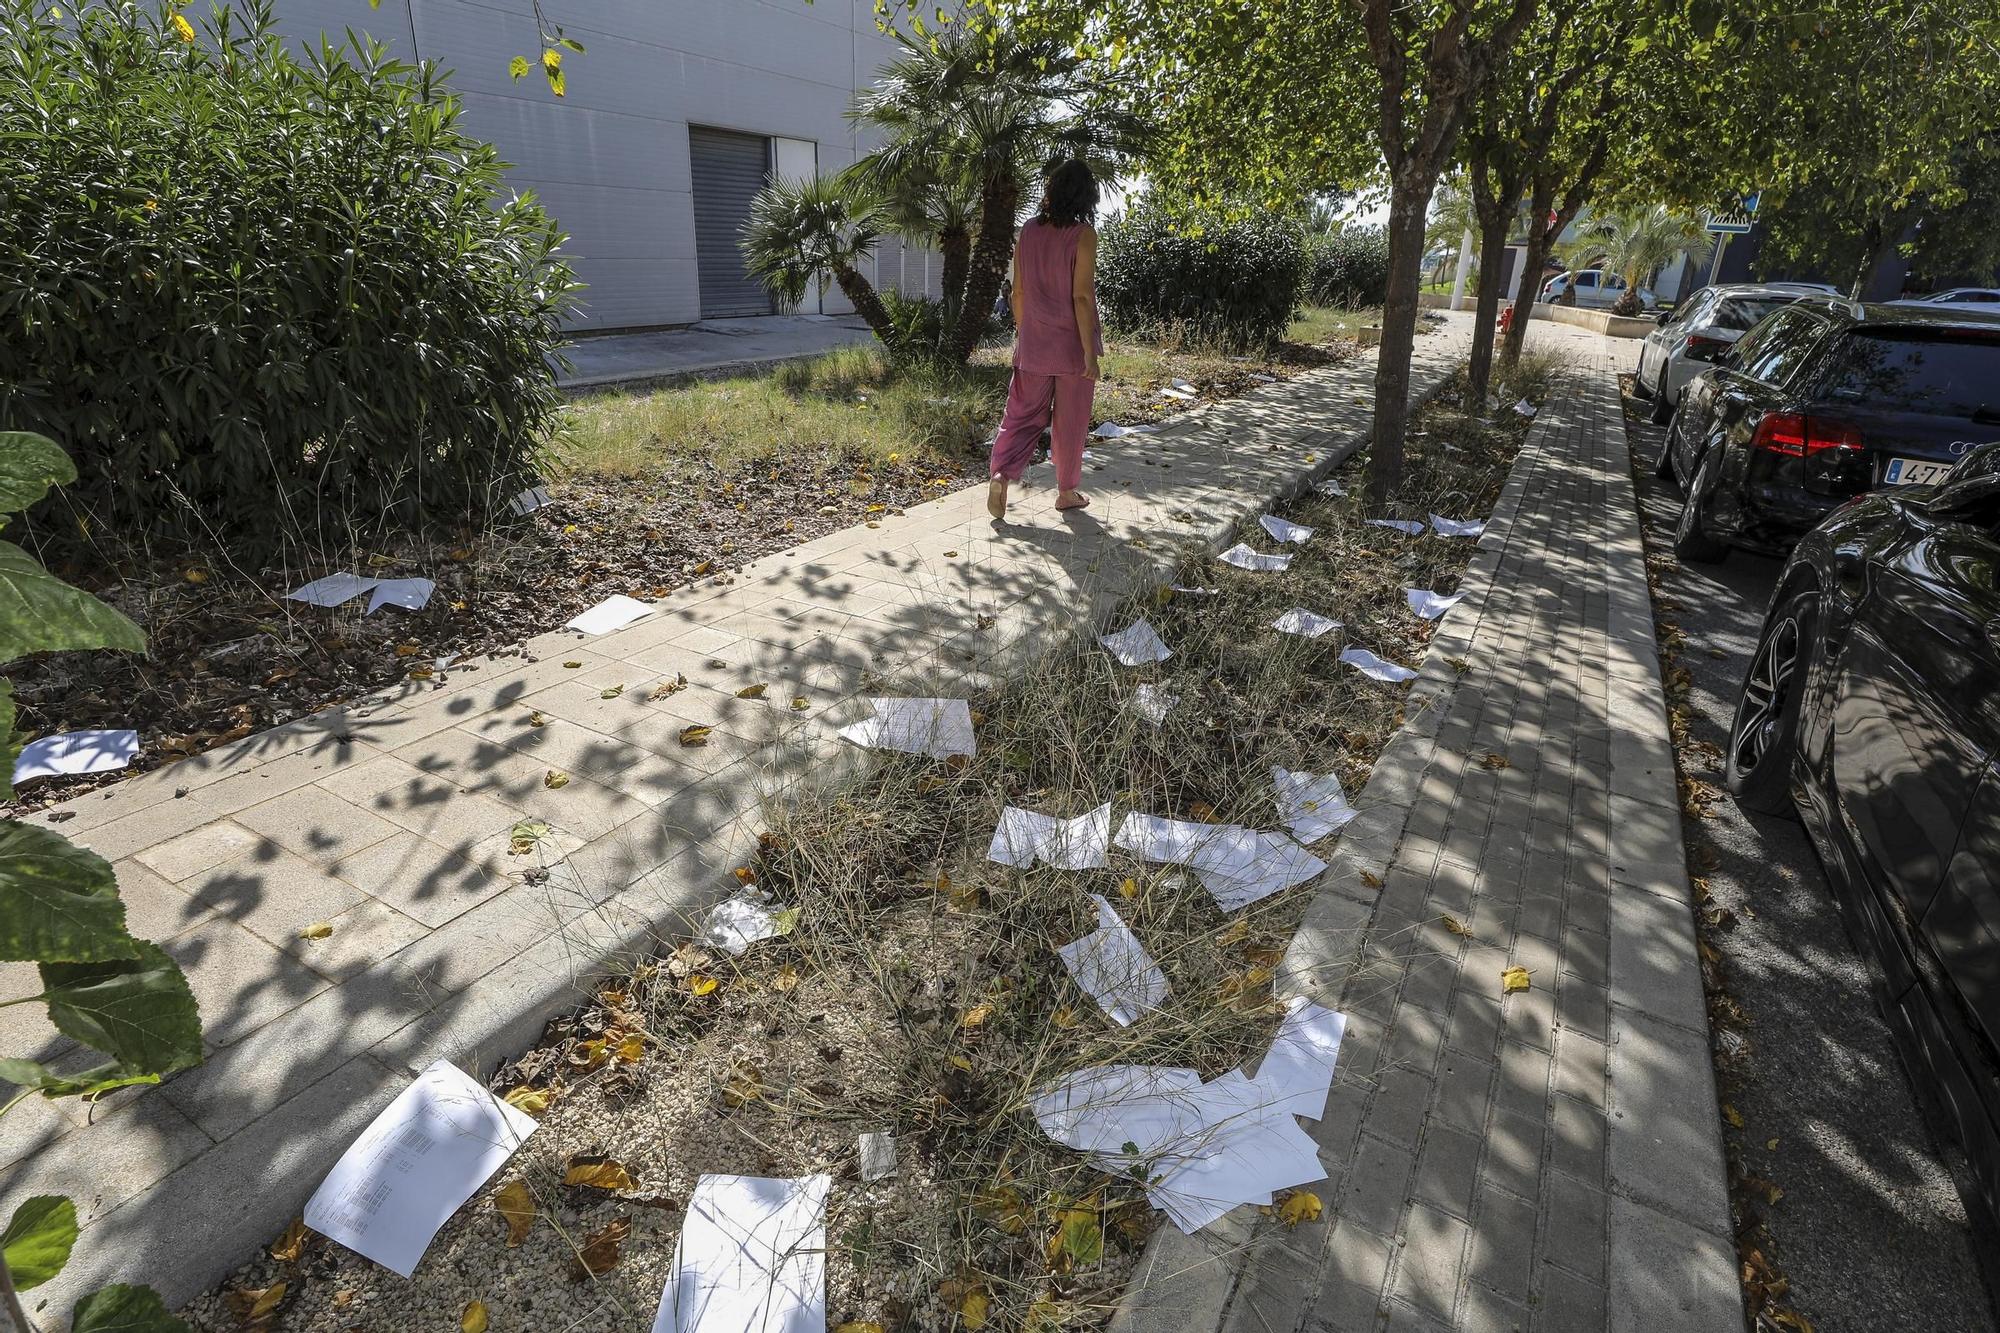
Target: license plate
{"x":1914,"y":472}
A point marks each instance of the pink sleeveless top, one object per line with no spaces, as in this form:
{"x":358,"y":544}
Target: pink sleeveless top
{"x":1047,"y":342}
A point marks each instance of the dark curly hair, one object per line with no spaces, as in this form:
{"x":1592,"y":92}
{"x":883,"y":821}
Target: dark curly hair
{"x":1071,"y":195}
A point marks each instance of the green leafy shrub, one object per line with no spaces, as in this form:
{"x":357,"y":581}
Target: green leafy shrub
{"x":1347,"y":269}
{"x":919,"y":326}
{"x":1227,"y":281}
{"x":59,"y":909}
{"x":261,"y":296}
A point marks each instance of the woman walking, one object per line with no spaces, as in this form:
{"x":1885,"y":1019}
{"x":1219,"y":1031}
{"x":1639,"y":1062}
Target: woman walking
{"x":1057,"y":341}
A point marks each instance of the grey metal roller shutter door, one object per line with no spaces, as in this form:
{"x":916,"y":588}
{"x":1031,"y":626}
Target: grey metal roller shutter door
{"x":728,"y":170}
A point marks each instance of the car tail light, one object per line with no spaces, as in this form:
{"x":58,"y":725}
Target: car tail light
{"x":1698,"y":348}
{"x":1798,"y":436}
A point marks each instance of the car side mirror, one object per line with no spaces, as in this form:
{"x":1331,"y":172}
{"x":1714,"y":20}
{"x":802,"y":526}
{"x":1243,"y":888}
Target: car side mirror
{"x":1662,"y":318}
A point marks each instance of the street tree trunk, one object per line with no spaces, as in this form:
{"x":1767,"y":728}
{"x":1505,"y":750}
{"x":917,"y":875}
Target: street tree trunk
{"x":987,"y":265}
{"x":1532,"y":260}
{"x":1492,"y":255}
{"x":1409,"y":200}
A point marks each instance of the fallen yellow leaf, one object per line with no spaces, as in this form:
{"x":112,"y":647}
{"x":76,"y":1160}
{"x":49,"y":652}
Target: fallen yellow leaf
{"x":538,"y":720}
{"x":786,"y":979}
{"x":975,"y":1016}
{"x":1771,"y":1145}
{"x":318,"y":930}
{"x":1513,"y":979}
{"x":555,"y":778}
{"x":972,"y":1310}
{"x":1129,"y":889}
{"x":253,"y":1303}
{"x":408,"y":649}
{"x":598,"y":1173}
{"x":704,"y":567}
{"x":1732,"y":1115}
{"x":696,"y":735}
{"x":1064,"y":1017}
{"x":963,"y":1062}
{"x":800,"y":703}
{"x":534,"y":1101}
{"x":611,"y":692}
{"x":572,"y":665}
{"x":285,"y":1249}
{"x":1300,"y":1206}
{"x":474,"y":1318}
{"x":699,"y":984}
{"x":632,"y":1049}
{"x":751,"y":692}
{"x":517,"y":1206}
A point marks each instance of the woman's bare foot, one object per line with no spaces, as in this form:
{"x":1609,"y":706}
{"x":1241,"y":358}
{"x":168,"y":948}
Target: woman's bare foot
{"x":996,"y":496}
{"x":1072,"y":500}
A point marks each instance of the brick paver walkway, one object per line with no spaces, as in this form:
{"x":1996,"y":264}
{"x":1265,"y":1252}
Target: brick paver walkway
{"x":390,"y":819}
{"x":1547,"y":1159}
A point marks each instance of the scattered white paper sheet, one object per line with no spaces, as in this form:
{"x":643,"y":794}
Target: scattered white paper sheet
{"x":939,"y":728}
{"x":1524,"y":408}
{"x":1310,"y":805}
{"x":413,"y":1167}
{"x":1024,"y":837}
{"x":1153,"y":703}
{"x":1430,"y":605}
{"x":1137,"y":644}
{"x":528,"y":501}
{"x":1283,"y":531}
{"x":72,"y":752}
{"x":1298,"y":1069}
{"x":410,"y":594}
{"x":1193,"y":591}
{"x":613,"y":613}
{"x":1256,"y":378}
{"x":1451,"y":527}
{"x":1243,"y":557}
{"x":735,"y":924}
{"x":751,"y":1256}
{"x":1179,"y":390}
{"x":1111,"y":430}
{"x":1115,"y":968}
{"x":1300,"y":621}
{"x":1330,"y":487}
{"x":1370,"y":665}
{"x":1236,"y":865}
{"x":1183,"y":386}
{"x":332,"y":590}
{"x":1409,"y":527}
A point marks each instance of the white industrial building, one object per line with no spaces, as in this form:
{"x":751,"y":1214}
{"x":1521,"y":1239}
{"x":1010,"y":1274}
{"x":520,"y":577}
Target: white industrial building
{"x":675,"y":117}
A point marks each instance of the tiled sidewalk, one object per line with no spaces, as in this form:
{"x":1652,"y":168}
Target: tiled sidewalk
{"x":390,"y":818}
{"x":1547,"y":1159}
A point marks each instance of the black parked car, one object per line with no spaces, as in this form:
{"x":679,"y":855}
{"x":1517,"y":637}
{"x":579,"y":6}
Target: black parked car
{"x":1872,"y":708}
{"x":1819,"y":403}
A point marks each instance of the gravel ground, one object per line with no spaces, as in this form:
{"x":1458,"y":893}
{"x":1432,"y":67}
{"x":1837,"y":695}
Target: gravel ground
{"x":1868,"y":1224}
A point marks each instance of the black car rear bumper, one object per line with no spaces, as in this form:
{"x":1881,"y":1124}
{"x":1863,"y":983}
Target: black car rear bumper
{"x":1762,"y":503}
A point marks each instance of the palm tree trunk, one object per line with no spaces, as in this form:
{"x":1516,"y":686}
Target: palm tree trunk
{"x":861,"y":295}
{"x":955,"y":246}
{"x":987,"y":265}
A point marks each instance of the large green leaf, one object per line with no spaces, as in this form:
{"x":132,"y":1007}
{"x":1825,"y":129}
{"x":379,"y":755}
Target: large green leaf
{"x":58,"y":902}
{"x":41,"y":613}
{"x":138,"y":1011}
{"x":38,"y":1238}
{"x":10,"y":744}
{"x":29,"y":465}
{"x":38,"y":1077}
{"x":123,"y":1309}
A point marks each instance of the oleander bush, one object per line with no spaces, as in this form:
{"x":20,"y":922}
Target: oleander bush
{"x":262,"y":293}
{"x":1347,"y":269}
{"x":1230,"y":281}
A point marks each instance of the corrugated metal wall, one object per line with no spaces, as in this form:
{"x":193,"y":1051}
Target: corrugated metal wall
{"x":610,"y":160}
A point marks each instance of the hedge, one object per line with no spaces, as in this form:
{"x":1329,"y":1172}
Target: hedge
{"x":256,"y":296}
{"x":1348,"y":269}
{"x":1235,"y":282}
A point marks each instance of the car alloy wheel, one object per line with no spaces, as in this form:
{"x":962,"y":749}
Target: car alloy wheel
{"x":1691,"y":539}
{"x":1764,"y":735}
{"x":1766,"y":691}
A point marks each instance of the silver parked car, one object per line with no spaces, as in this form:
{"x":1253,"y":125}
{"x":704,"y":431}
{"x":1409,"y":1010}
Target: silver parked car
{"x":1596,"y":288}
{"x":1987,"y":297}
{"x":1701,"y":328}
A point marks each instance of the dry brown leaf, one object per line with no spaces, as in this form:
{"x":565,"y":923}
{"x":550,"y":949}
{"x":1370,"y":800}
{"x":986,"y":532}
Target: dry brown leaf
{"x":599,"y":1253}
{"x":538,"y":719}
{"x":285,"y":1249}
{"x":474,"y":1318}
{"x":1455,"y":926}
{"x":695,"y":735}
{"x":786,"y":979}
{"x":573,"y":665}
{"x":1371,"y":879}
{"x":598,"y":1173}
{"x":254,"y":1304}
{"x":517,"y":1206}
{"x":1494,"y":759}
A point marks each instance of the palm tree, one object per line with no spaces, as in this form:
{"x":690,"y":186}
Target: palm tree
{"x":1636,"y":244}
{"x":802,"y":229}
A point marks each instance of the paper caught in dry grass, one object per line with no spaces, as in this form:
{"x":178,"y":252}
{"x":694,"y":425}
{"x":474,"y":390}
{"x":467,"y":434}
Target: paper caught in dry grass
{"x":1024,"y":837}
{"x":939,"y":728}
{"x":1136,"y":645}
{"x":751,"y":1255}
{"x":1113,"y":966}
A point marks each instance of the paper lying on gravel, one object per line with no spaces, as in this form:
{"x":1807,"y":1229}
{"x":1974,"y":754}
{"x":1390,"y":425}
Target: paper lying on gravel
{"x":1024,"y":837}
{"x":1284,"y":531}
{"x":1137,"y":644}
{"x":410,"y":594}
{"x":73,"y":752}
{"x":1236,"y":865}
{"x":1204,"y":1148}
{"x":939,"y":728}
{"x":1153,"y":703}
{"x":528,"y":501}
{"x":1451,"y":527}
{"x":1243,"y":557}
{"x":1370,"y":665}
{"x":1115,"y":968}
{"x":751,"y":1256}
{"x":1300,"y":621}
{"x":1330,"y":487}
{"x":413,"y":1167}
{"x":332,"y":590}
{"x":1310,"y":805}
{"x":735,"y":924}
{"x":613,"y":613}
{"x":1409,"y":527}
{"x":1430,"y":605}
{"x":1111,"y":430}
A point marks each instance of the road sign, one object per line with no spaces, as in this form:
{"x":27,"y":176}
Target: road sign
{"x":1738,"y":221}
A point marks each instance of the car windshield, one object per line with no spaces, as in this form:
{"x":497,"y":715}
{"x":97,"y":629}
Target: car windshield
{"x":1942,"y":373}
{"x":1740,"y":312}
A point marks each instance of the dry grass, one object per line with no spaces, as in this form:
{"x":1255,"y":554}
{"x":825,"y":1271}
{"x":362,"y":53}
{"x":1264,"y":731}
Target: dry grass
{"x":918,"y":990}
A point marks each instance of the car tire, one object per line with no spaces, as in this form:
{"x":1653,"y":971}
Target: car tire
{"x":1763,"y":737}
{"x":1691,"y":540}
{"x":1663,"y":410}
{"x":1663,"y":466}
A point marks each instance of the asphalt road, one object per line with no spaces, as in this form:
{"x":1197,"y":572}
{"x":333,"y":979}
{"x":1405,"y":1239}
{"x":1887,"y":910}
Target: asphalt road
{"x":1869,"y":1227}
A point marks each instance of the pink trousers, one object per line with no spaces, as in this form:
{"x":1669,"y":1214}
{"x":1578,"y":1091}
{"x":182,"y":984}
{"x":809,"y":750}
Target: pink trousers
{"x":1059,"y":402}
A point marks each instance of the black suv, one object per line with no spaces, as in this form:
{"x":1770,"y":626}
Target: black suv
{"x":1820,"y":402}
